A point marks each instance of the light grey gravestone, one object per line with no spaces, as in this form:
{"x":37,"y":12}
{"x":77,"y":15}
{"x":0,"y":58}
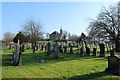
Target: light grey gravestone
{"x":57,"y":53}
{"x":48,"y":49}
{"x":17,"y":60}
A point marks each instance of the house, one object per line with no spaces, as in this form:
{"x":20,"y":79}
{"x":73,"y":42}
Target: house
{"x":56,"y":35}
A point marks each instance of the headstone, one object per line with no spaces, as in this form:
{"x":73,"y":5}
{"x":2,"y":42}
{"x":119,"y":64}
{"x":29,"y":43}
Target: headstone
{"x":81,"y":51}
{"x":87,"y":51}
{"x":42,"y":47}
{"x":102,"y":50}
{"x":57,"y":53}
{"x":48,"y":49}
{"x":113,"y":64}
{"x":17,"y":60}
{"x":94,"y":51}
{"x":65,"y":49}
{"x":60,"y":49}
{"x":71,"y":49}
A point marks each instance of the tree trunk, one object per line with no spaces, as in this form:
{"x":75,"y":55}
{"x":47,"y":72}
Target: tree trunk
{"x":117,"y":45}
{"x":34,"y":45}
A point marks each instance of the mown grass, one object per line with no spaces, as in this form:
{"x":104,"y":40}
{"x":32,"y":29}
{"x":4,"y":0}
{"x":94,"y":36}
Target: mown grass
{"x":69,"y":67}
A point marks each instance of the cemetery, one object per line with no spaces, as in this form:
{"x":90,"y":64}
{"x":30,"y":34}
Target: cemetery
{"x":60,"y":60}
{"x":30,"y":53}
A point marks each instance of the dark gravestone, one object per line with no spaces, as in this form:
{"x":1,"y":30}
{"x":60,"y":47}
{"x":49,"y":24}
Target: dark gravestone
{"x":48,"y":49}
{"x":102,"y":50}
{"x":81,"y":51}
{"x":71,"y":49}
{"x":65,"y":49}
{"x":113,"y":64}
{"x":45,"y":47}
{"x":60,"y":49}
{"x":42,"y":47}
{"x":87,"y":51}
{"x":94,"y":51}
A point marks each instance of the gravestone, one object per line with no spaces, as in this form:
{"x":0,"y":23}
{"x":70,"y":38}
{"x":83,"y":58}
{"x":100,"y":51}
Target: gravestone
{"x":87,"y":51}
{"x":60,"y":49}
{"x":65,"y":49}
{"x":113,"y":64}
{"x":94,"y":51}
{"x":102,"y":50}
{"x":45,"y":47}
{"x":41,"y":47}
{"x":57,"y":53}
{"x":17,"y":60}
{"x":48,"y":49}
{"x":71,"y":49}
{"x":81,"y":51}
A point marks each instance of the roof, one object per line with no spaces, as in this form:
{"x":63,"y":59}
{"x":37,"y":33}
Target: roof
{"x":55,"y":32}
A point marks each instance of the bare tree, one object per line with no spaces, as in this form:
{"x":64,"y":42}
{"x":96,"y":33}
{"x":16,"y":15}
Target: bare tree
{"x":65,"y":34}
{"x":107,"y":25}
{"x":33,"y":30}
{"x":8,"y":37}
{"x":74,"y":37}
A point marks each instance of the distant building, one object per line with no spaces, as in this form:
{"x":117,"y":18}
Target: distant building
{"x":56,"y":35}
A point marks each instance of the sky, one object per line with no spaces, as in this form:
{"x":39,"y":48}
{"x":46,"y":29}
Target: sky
{"x":73,"y":17}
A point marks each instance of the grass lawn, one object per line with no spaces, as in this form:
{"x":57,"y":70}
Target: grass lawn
{"x":71,"y":66}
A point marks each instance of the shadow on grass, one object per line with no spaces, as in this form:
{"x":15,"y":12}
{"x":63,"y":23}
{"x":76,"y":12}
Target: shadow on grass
{"x":92,"y":76}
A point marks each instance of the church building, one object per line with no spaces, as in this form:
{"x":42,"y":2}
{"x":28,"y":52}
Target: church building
{"x":56,"y":35}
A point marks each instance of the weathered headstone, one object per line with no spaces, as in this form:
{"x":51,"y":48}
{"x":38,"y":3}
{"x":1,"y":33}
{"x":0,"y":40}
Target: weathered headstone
{"x":17,"y":60}
{"x":48,"y":49}
{"x":102,"y":50}
{"x":81,"y":51}
{"x":57,"y":53}
{"x":42,"y":47}
{"x":71,"y":49}
{"x":60,"y":49}
{"x":94,"y":51}
{"x":113,"y":64}
{"x":87,"y":51}
{"x":65,"y":49}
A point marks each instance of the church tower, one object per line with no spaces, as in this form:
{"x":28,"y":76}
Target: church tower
{"x":61,"y":34}
{"x":61,"y":31}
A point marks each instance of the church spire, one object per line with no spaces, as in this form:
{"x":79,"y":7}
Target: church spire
{"x":61,"y":30}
